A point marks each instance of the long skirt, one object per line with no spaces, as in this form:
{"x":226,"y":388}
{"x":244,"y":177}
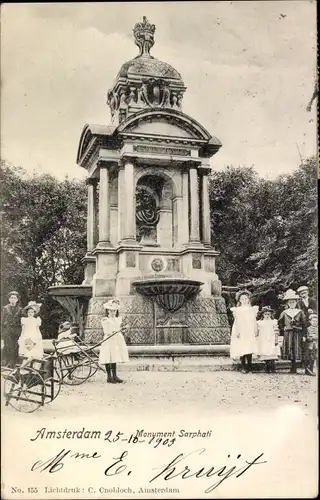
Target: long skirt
{"x":292,"y":345}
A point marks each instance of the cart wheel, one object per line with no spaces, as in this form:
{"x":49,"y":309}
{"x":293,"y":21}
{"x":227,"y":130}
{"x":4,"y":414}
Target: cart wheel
{"x":53,"y":388}
{"x":94,"y":369}
{"x":25,"y":392}
{"x":78,"y":373}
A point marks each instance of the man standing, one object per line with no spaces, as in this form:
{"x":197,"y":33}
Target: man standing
{"x":305,"y":303}
{"x":11,"y":329}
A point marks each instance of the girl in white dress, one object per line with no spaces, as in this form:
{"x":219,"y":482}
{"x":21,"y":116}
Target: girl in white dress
{"x":268,"y":333}
{"x":30,"y":341}
{"x":114,"y":350}
{"x":244,"y":331}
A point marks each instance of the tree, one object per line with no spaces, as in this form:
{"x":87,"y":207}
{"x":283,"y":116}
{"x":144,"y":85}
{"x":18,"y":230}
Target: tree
{"x":265,"y":230}
{"x":233,"y":231}
{"x":43,"y":233}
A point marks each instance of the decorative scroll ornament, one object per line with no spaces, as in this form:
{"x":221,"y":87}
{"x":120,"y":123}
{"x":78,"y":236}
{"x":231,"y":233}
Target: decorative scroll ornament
{"x":144,"y":36}
{"x":113,"y":102}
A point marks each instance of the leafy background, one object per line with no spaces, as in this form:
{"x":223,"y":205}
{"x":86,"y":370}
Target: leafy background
{"x":265,"y":231}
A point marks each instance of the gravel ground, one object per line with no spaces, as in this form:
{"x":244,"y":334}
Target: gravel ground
{"x":186,"y":391}
{"x":252,"y":413}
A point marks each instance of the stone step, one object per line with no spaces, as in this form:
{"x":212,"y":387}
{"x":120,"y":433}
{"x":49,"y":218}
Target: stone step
{"x":176,"y":357}
{"x":192,"y":364}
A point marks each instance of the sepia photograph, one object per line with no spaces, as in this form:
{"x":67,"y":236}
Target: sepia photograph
{"x":159,"y":250}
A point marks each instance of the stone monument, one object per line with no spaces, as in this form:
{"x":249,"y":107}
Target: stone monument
{"x":148,"y":227}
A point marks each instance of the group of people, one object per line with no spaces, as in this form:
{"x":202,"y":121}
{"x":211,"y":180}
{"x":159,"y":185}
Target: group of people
{"x":257,"y":333}
{"x":22,"y":339}
{"x":20,"y":331}
{"x":254,"y":332}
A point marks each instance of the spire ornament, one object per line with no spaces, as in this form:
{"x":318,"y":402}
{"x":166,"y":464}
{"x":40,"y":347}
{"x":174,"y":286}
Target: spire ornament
{"x":144,"y":36}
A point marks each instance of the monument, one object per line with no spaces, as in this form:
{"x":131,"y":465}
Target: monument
{"x":148,"y":223}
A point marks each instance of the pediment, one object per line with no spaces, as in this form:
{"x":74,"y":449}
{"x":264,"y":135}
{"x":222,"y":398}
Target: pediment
{"x":161,"y":123}
{"x":161,"y":128}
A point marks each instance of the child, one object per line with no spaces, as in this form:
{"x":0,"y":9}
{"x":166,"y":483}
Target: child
{"x":244,"y":331}
{"x":30,"y":341}
{"x":292,"y":325}
{"x":268,"y":347}
{"x":65,"y":345}
{"x":310,"y":342}
{"x":11,"y":330}
{"x":114,"y":349}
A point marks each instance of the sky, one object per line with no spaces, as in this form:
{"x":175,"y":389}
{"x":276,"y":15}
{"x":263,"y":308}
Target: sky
{"x":249,"y":68}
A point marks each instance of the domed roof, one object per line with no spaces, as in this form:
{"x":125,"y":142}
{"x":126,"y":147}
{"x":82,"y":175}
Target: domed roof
{"x":148,"y":66}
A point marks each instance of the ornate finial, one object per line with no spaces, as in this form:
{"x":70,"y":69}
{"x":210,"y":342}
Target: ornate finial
{"x":144,"y":36}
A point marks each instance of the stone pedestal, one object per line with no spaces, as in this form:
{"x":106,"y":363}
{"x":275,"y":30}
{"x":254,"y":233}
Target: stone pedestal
{"x":167,"y":335}
{"x":104,"y":280}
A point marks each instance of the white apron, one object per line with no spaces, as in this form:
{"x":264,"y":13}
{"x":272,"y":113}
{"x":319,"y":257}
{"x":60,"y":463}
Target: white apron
{"x":114,"y":349}
{"x":244,"y":329}
{"x":31,"y":330}
{"x":267,"y":349}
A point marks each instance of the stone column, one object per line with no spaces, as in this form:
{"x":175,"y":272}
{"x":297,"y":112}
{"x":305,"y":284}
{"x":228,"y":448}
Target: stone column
{"x":129,"y":209}
{"x":104,"y":206}
{"x":194,"y":203}
{"x":184,"y":214}
{"x":91,"y":214}
{"x":120,"y":202}
{"x":205,"y":215}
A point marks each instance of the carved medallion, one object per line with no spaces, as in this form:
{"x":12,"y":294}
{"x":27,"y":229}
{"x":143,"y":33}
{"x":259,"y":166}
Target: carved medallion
{"x":157,"y":265}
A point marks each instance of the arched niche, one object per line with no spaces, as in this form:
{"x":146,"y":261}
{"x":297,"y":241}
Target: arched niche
{"x":154,"y":209}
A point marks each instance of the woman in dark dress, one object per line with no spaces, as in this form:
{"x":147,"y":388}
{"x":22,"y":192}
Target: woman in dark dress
{"x":292,"y":325}
{"x":11,"y":330}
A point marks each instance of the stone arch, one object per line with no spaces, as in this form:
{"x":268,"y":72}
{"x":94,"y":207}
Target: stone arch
{"x":163,"y":231}
{"x":167,"y":175}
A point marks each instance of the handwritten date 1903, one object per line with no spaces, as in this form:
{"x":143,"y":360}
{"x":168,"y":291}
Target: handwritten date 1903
{"x":112,"y":437}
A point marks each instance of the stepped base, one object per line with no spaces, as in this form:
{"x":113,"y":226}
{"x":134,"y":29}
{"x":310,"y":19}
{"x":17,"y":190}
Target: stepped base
{"x":183,"y":358}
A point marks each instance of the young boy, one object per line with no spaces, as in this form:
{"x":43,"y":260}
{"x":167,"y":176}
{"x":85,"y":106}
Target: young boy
{"x":310,"y":344}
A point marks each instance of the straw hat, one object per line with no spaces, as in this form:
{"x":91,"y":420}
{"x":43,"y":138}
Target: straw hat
{"x":266,"y":309}
{"x":243,"y":292}
{"x":13,"y":293}
{"x":303,"y":288}
{"x":66,"y":325}
{"x":32,"y":305}
{"x":290,"y":295}
{"x":313,"y":315}
{"x":112,"y":304}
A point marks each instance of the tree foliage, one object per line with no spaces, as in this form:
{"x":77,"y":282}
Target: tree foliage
{"x":266,"y":230}
{"x":43,"y":233}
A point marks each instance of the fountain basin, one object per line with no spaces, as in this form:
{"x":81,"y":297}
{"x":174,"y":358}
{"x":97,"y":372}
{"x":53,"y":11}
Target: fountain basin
{"x":169,"y":293}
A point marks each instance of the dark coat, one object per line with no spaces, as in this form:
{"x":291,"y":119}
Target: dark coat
{"x":10,"y":333}
{"x":286,"y":323}
{"x":312,"y":305}
{"x":293,"y":331}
